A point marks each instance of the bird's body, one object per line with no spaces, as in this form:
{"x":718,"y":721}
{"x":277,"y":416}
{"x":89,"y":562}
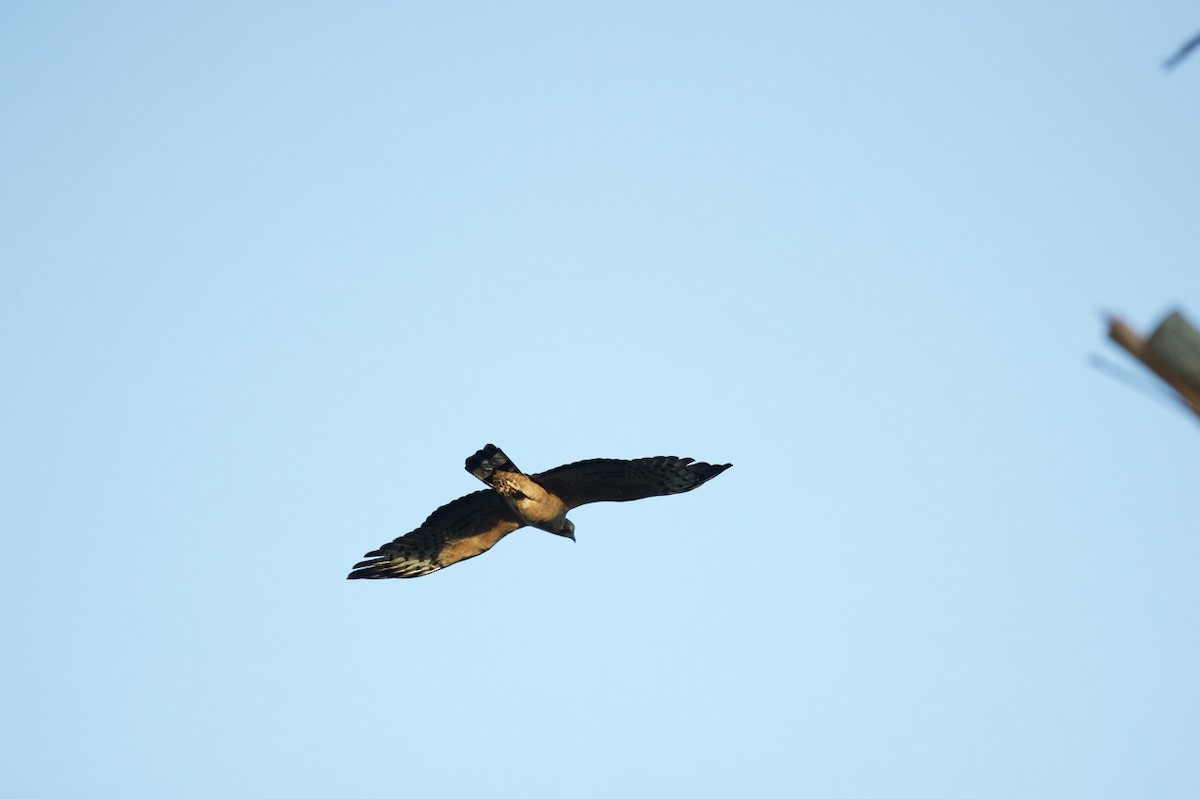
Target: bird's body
{"x":471,"y":525}
{"x":532,"y":504}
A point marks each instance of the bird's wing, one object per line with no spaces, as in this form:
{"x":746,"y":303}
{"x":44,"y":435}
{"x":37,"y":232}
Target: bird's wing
{"x":461,"y":529}
{"x":612,"y":480}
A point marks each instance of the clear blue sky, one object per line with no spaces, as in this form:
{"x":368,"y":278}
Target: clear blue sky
{"x":269,"y":272}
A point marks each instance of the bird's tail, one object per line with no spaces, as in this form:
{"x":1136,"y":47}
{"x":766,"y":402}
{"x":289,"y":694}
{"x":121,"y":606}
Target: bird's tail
{"x":489,"y":460}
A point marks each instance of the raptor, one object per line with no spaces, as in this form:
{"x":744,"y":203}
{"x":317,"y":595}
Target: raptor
{"x":472,"y":525}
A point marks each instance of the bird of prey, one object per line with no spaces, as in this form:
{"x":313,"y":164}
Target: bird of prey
{"x":472,"y":525}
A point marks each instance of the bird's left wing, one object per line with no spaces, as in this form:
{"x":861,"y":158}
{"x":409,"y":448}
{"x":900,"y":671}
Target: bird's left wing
{"x":461,"y":529}
{"x":613,"y":480}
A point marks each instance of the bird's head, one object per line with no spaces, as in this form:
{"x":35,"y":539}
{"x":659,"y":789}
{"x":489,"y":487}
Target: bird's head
{"x":567,"y":530}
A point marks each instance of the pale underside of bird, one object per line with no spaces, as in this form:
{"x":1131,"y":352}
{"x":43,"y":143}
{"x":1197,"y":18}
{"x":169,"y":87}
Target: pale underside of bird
{"x":472,"y":525}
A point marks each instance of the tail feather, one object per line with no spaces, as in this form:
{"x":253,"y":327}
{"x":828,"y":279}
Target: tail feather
{"x":489,"y":460}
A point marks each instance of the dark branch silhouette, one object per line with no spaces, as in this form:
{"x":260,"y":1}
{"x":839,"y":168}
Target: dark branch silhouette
{"x":1172,"y":352}
{"x":1183,"y":52}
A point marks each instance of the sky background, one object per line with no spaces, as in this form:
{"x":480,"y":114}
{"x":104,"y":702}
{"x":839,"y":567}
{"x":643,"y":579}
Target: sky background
{"x":270,"y":272}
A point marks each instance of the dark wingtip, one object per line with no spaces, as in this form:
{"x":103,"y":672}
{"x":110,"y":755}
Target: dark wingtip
{"x":363,"y":570}
{"x":368,"y":573}
{"x":368,"y":569}
{"x":701,"y":472}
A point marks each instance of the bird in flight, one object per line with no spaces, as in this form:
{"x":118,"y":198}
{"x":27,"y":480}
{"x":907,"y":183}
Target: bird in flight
{"x":472,"y":525}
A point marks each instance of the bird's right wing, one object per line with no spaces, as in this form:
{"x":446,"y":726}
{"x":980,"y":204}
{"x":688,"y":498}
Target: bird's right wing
{"x":461,"y":529}
{"x":614,"y":480}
